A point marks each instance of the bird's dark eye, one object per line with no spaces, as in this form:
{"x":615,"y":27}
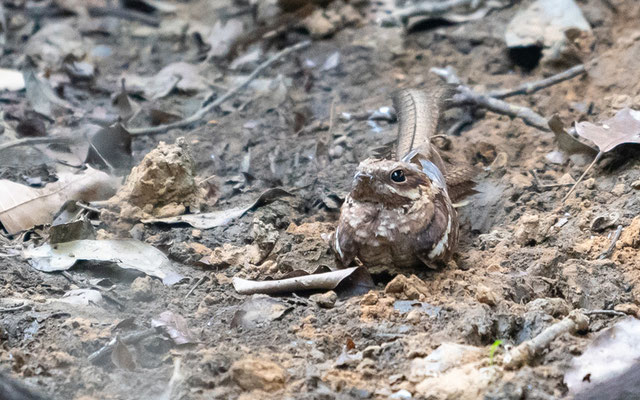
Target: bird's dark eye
{"x":398,"y":176}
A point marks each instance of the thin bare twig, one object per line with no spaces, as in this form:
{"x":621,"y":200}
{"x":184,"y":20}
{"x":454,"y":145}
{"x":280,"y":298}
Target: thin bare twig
{"x":132,"y":338}
{"x":528,"y":350}
{"x":200,"y":114}
{"x":16,"y":308}
{"x":122,"y":13}
{"x":605,"y":312}
{"x":532,"y":87}
{"x":595,"y":160}
{"x":198,"y":283}
{"x":32,"y":141}
{"x":607,"y":253}
{"x":466,"y":96}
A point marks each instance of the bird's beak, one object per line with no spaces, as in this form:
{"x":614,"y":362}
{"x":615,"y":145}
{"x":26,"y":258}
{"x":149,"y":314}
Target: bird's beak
{"x":360,"y":176}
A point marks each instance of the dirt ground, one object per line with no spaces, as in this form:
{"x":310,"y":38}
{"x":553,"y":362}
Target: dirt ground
{"x":525,"y":259}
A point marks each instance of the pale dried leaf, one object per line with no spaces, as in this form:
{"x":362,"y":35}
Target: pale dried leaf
{"x":222,"y":37}
{"x":175,"y":326}
{"x":565,"y":141}
{"x":23,"y":207}
{"x":624,"y":127}
{"x":122,"y":357}
{"x":128,"y":254}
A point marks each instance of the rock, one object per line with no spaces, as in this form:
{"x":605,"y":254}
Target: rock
{"x":228,"y":255}
{"x":142,"y":288}
{"x":445,"y":357}
{"x":255,"y":373}
{"x":544,"y":23}
{"x":371,"y":351}
{"x":401,"y":394}
{"x":486,"y":295}
{"x":411,"y":288}
{"x":414,"y":316}
{"x":468,"y":382}
{"x":636,"y":185}
{"x":532,"y":229}
{"x":325,"y":300}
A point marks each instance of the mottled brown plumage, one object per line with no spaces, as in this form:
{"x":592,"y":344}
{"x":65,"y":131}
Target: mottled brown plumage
{"x":399,"y":212}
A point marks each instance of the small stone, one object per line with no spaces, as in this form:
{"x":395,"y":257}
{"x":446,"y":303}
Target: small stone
{"x":371,"y":351}
{"x":325,"y":300}
{"x":142,"y":288}
{"x":196,"y":233}
{"x":628,"y":308}
{"x":401,"y":394}
{"x":590,"y":183}
{"x":636,"y":185}
{"x":254,"y":373}
{"x":618,"y":190}
{"x":486,"y":296}
{"x":566,"y":179}
{"x":414,"y":316}
{"x":369,"y":299}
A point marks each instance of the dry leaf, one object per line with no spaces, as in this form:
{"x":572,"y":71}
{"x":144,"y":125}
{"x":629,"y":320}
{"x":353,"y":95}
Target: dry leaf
{"x":222,"y":37}
{"x":352,"y":281}
{"x":111,"y":148}
{"x":565,"y":141}
{"x":122,"y":357}
{"x":128,"y":254}
{"x":175,"y":326}
{"x":41,"y":96}
{"x":624,"y":127}
{"x":23,"y":207}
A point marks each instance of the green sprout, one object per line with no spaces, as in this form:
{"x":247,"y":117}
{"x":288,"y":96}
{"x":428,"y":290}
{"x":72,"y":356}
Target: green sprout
{"x":493,"y":349}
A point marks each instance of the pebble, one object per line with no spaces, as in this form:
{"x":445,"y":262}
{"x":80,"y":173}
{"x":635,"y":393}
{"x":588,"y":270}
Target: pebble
{"x":486,"y":295}
{"x":636,"y":185}
{"x":142,"y":288}
{"x":254,"y":373}
{"x":325,"y":300}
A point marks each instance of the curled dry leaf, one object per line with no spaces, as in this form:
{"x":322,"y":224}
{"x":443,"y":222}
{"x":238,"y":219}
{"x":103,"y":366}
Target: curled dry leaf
{"x":128,"y":254}
{"x":175,"y":326}
{"x":345,"y":282}
{"x":23,"y":207}
{"x":122,"y":357}
{"x":624,"y":127}
{"x":566,"y":142}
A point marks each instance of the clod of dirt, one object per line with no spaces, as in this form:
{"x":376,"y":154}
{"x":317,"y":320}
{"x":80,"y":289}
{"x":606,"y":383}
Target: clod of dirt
{"x":142,"y":288}
{"x":254,"y":373}
{"x":325,"y":300}
{"x":468,"y":382}
{"x":411,"y":288}
{"x":531,"y":229}
{"x":631,"y":235}
{"x":445,"y":357}
{"x":229,"y":255}
{"x":162,"y":185}
{"x":486,"y":295}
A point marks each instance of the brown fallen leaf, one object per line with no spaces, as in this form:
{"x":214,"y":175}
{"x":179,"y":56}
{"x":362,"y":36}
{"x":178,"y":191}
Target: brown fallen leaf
{"x":175,"y":326}
{"x":565,"y":141}
{"x":23,"y":207}
{"x":623,"y":128}
{"x":122,"y":357}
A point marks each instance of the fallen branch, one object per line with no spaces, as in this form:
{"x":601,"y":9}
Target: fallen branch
{"x":532,"y":87}
{"x":200,"y":114}
{"x":32,"y":141}
{"x":528,"y":350}
{"x":607,"y":253}
{"x":605,"y":312}
{"x":131,"y":338}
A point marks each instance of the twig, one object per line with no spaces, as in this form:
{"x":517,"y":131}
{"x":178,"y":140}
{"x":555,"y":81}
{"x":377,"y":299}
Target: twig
{"x":16,"y":308}
{"x":466,"y":96}
{"x":532,"y":87}
{"x":198,"y":283}
{"x":607,"y":253}
{"x":429,"y":9}
{"x":132,"y":338}
{"x":122,"y":13}
{"x":32,"y":141}
{"x":526,"y":351}
{"x":541,"y":185}
{"x":605,"y":312}
{"x":198,"y":115}
{"x":595,"y":160}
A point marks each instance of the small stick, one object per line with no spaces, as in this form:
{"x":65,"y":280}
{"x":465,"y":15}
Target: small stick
{"x":612,"y":246}
{"x":526,"y":351}
{"x":532,"y":87}
{"x":595,"y":160}
{"x":605,"y":312}
{"x":541,"y":185}
{"x":198,"y":283}
{"x":32,"y":141}
{"x":122,"y":13}
{"x":131,"y":338}
{"x":16,"y":308}
{"x":198,"y":115}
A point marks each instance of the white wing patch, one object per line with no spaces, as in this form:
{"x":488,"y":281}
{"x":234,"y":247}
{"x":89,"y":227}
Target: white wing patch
{"x":442,"y":244}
